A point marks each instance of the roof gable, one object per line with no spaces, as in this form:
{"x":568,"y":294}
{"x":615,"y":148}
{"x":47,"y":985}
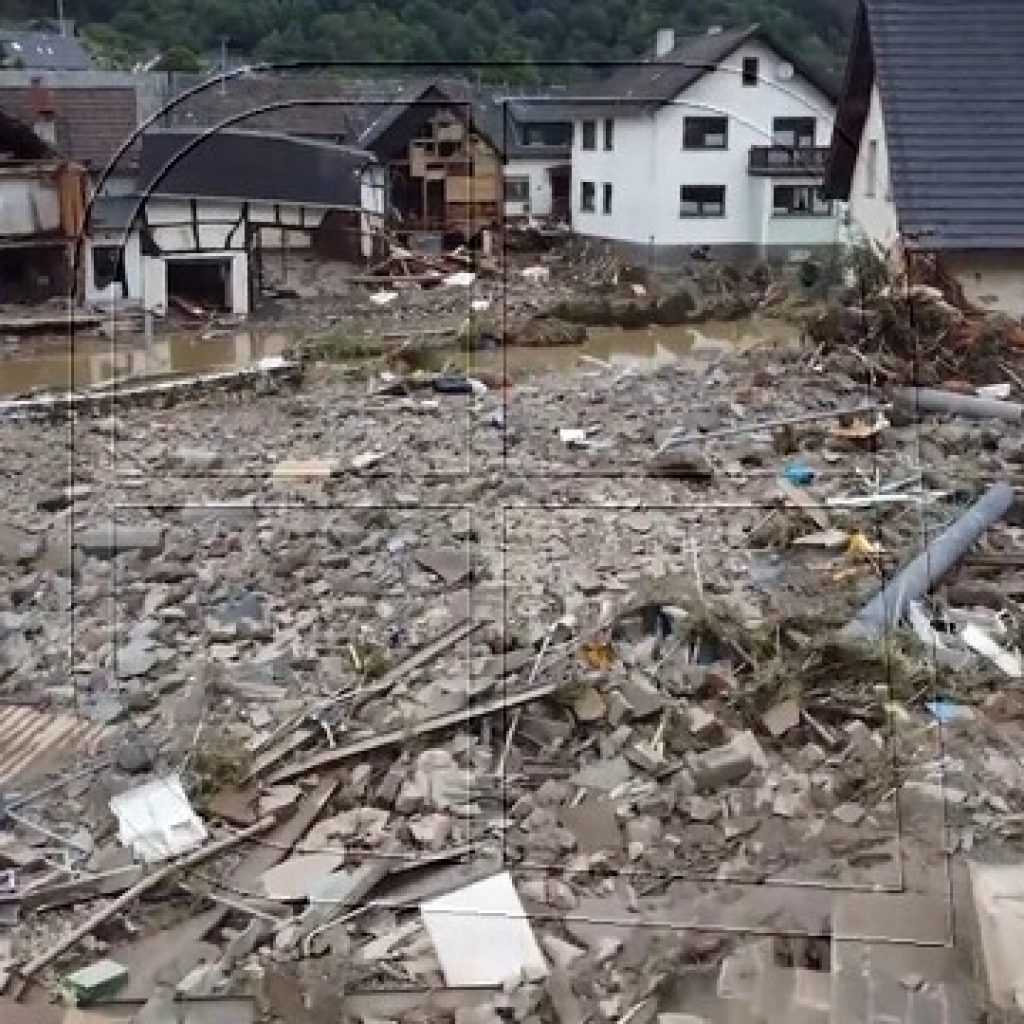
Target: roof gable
{"x":952,"y":92}
{"x":656,"y":81}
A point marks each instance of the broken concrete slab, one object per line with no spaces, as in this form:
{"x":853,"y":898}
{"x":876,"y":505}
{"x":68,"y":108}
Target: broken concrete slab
{"x":115,"y":539}
{"x":482,"y":935}
{"x":294,"y":879}
{"x":453,"y":565}
{"x":594,"y":824}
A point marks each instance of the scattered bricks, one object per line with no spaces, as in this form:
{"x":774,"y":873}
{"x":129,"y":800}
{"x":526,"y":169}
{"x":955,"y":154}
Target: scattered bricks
{"x":432,"y":831}
{"x":782,"y":718}
{"x":117,"y":538}
{"x":722,"y":766}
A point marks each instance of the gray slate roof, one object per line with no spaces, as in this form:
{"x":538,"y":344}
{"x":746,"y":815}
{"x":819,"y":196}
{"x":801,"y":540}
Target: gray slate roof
{"x":950,"y":77}
{"x":44,"y":50}
{"x":653,"y":81}
{"x":259,"y":166}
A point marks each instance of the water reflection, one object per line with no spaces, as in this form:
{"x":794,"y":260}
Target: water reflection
{"x":92,"y":363}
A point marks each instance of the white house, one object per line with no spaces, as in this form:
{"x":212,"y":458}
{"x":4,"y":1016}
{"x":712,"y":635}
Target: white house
{"x":538,"y":151}
{"x":717,"y":143}
{"x":927,"y":150}
{"x":212,"y":204}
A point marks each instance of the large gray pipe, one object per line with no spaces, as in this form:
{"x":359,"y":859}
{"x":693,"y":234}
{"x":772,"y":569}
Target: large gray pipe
{"x":933,"y":400}
{"x":886,"y":608}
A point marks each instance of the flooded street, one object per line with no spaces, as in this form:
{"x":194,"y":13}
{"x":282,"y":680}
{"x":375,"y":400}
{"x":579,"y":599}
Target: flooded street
{"x":48,"y":365}
{"x":54,"y":365}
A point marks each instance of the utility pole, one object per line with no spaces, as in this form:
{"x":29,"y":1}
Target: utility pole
{"x":60,"y":17}
{"x":223,"y":64}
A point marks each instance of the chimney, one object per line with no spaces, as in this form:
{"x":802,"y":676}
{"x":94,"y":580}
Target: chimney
{"x":664,"y":42}
{"x":42,"y":111}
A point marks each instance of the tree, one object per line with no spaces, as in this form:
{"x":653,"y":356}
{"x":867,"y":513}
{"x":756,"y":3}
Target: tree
{"x":181,"y":58}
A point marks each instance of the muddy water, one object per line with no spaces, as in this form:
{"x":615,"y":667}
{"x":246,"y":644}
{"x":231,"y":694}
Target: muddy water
{"x":655,"y":346}
{"x":50,"y":366}
{"x":92,"y":362}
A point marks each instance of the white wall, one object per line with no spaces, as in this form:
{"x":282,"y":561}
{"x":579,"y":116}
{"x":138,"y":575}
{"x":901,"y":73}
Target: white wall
{"x":29,"y":203}
{"x":873,"y":216}
{"x":538,"y":172}
{"x":133,"y":271}
{"x":991,"y":280}
{"x":648,"y":164}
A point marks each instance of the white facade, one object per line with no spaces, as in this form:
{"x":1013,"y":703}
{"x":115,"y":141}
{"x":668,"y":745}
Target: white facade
{"x":537,"y":173}
{"x":871,"y":211}
{"x":219,"y":231}
{"x":991,"y":280}
{"x":648,"y":164}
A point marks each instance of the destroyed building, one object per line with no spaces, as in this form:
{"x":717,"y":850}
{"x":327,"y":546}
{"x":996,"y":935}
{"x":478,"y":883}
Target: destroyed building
{"x":42,"y":203}
{"x":210,"y":209}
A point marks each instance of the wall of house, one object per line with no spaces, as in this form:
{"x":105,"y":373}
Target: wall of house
{"x":991,"y":280}
{"x":133,"y":270}
{"x":29,"y":203}
{"x":649,"y":164}
{"x":872,"y":213}
{"x":537,"y":172}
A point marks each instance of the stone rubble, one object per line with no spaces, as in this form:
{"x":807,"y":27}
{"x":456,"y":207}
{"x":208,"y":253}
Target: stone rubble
{"x":706,"y":783}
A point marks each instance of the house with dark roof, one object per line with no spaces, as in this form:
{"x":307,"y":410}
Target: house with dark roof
{"x":712,"y":144}
{"x":43,"y":51}
{"x":928,"y":147}
{"x":210,"y":206}
{"x":443,"y":142}
{"x":538,"y":158}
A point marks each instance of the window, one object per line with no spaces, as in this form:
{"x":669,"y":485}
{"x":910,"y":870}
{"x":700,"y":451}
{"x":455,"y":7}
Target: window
{"x":606,"y":198}
{"x":706,"y":133}
{"x":517,"y":190}
{"x":108,"y":265}
{"x":870,"y":185}
{"x":587,"y":196}
{"x":609,"y":133}
{"x":589,"y":135}
{"x":544,"y":133}
{"x":702,"y":201}
{"x":800,"y":201}
{"x":794,"y":132}
{"x":751,"y":72}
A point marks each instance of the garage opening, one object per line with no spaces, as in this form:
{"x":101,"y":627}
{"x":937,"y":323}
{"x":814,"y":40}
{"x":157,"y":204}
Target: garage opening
{"x":199,"y":283}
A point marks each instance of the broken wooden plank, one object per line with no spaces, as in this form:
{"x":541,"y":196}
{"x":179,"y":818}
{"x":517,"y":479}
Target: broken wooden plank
{"x":25,"y":973}
{"x":330,"y":758}
{"x":298,"y":737}
{"x":149,"y":956}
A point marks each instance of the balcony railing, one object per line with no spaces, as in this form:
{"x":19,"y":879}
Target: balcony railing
{"x":788,"y":160}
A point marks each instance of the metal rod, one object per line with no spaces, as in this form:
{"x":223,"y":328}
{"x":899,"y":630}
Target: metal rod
{"x":785,"y":421}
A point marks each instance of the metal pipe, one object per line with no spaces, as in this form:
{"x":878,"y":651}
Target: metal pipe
{"x":785,"y":421}
{"x":886,"y":608}
{"x":933,"y":400}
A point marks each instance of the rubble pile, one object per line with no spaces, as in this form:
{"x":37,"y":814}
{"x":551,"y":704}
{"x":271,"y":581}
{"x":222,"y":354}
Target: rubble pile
{"x":409,"y":697}
{"x":920,"y":334}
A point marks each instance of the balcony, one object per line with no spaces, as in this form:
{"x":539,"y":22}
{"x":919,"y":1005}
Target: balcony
{"x":788,"y":161}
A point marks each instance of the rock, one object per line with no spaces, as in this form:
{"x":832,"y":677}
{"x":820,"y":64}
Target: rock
{"x":432,"y":831}
{"x":134,"y":756}
{"x":294,"y":878}
{"x":114,"y":539}
{"x":134,"y":660}
{"x":588,"y":705}
{"x":18,"y":547}
{"x":197,"y":460}
{"x":782,"y":717}
{"x":729,"y":763}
